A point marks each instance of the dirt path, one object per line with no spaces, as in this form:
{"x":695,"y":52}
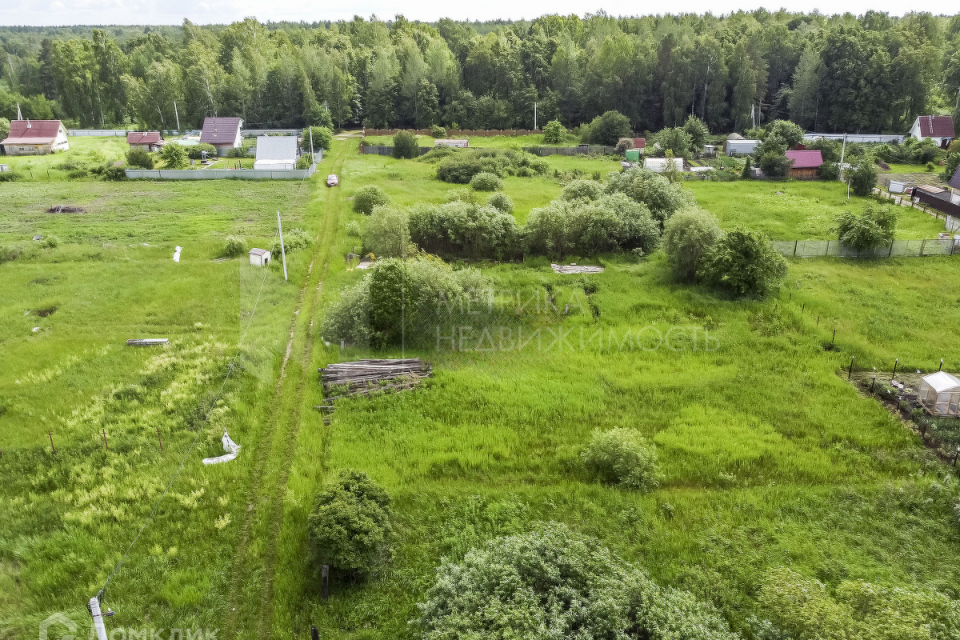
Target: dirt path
{"x":249,"y":608}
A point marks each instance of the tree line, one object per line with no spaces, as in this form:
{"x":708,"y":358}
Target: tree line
{"x":869,"y":73}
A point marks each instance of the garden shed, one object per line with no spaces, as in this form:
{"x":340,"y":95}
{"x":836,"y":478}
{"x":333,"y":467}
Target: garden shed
{"x":806,"y":164}
{"x":276,"y":153}
{"x":940,"y":394}
{"x":260,"y":257}
{"x":146,"y":140}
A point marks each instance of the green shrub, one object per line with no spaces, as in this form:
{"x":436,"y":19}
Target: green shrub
{"x":50,"y":242}
{"x":234,"y":246}
{"x":676,"y":140}
{"x":405,"y":145}
{"x":746,"y":174}
{"x":369,"y":196}
{"x":322,"y":138}
{"x":554,"y":132}
{"x":350,"y":527}
{"x":388,"y":232}
{"x":464,"y":230}
{"x":662,"y":197}
{"x":293,"y":240}
{"x":114,"y":174}
{"x":196,"y":151}
{"x":624,"y":144}
{"x":863,"y":178}
{"x":437,"y":131}
{"x":608,"y":128}
{"x":78,"y":173}
{"x":553,"y":583}
{"x":790,"y":133}
{"x":139,"y":158}
{"x":486,"y":182}
{"x":174,"y":156}
{"x":698,"y":132}
{"x":10,"y":252}
{"x":304,"y":161}
{"x":621,"y":457}
{"x":501,"y":202}
{"x":829,"y":171}
{"x":353,"y":229}
{"x":687,"y":236}
{"x":744,"y":263}
{"x":950,"y":164}
{"x":9,"y":176}
{"x":875,"y":227}
{"x":582,"y":190}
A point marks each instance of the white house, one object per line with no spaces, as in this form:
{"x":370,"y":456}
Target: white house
{"x":259,"y":257}
{"x":223,"y":133}
{"x":35,"y":137}
{"x":940,"y":394}
{"x":277,"y":153}
{"x":659,"y":165}
{"x":937,"y":128}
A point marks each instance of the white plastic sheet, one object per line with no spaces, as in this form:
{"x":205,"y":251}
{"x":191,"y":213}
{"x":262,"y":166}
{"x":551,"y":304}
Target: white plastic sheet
{"x":176,"y":254}
{"x":231,"y":447}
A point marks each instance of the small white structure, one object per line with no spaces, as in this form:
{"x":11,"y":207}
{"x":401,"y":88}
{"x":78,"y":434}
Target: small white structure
{"x":940,"y":394}
{"x":259,"y":257}
{"x":659,"y":165}
{"x":276,"y":153}
{"x":740,"y":147}
{"x":897,"y":186}
{"x":450,"y":142}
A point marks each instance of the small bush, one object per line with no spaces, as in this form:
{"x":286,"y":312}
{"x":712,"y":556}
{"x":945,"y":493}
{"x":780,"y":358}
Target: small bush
{"x":322,"y":138}
{"x":501,"y":202}
{"x":829,"y":171}
{"x":875,"y":227}
{"x":304,"y":161}
{"x":369,"y":196}
{"x":486,"y":182}
{"x":554,"y":132}
{"x":234,"y":246}
{"x":437,"y":131}
{"x":139,"y":158}
{"x":863,"y":178}
{"x":388,"y":232}
{"x":293,"y":240}
{"x":622,"y":457}
{"x":9,"y":176}
{"x":78,"y":173}
{"x":114,"y":174}
{"x":588,"y":190}
{"x":196,"y":152}
{"x":174,"y":156}
{"x":688,"y":236}
{"x":10,"y":252}
{"x":353,"y":229}
{"x":744,"y":263}
{"x":50,"y":242}
{"x":349,"y":528}
{"x":405,"y":145}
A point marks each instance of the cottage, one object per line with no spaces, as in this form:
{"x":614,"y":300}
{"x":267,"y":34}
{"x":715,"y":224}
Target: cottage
{"x":940,"y":394}
{"x":740,"y":147}
{"x":277,"y":153}
{"x":260,"y":257}
{"x":223,"y":133}
{"x":806,"y":163}
{"x":35,"y":137}
{"x":146,"y":140}
{"x":659,"y":165}
{"x":937,"y":128}
{"x":460,"y":144}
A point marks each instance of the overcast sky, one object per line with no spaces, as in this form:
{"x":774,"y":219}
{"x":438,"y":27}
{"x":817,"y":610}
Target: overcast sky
{"x":87,"y":12}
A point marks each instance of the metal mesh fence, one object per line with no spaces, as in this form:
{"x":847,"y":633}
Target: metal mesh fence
{"x":896,"y":249}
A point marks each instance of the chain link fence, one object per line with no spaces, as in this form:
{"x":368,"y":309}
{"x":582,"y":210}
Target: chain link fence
{"x":896,"y":249}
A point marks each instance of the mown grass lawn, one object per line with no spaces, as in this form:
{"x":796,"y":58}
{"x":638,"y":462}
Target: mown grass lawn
{"x":85,"y":151}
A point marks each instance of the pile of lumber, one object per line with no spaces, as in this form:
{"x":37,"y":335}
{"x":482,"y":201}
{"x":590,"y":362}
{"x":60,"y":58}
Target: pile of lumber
{"x":367,"y":373}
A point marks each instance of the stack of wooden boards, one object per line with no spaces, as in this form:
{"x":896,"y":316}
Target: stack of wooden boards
{"x":363,"y":377}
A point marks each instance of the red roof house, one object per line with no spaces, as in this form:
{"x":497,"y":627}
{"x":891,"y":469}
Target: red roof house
{"x":35,"y":137}
{"x":806,"y":163}
{"x":146,"y":140}
{"x":223,"y":133}
{"x":938,"y":128}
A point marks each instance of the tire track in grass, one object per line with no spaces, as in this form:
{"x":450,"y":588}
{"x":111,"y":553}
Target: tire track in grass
{"x":275,"y":452}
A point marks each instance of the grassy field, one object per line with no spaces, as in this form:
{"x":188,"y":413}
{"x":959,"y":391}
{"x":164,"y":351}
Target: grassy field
{"x":84,"y":151}
{"x":770,"y":458}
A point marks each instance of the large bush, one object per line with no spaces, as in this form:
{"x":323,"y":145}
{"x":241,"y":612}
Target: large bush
{"x":771,"y":157}
{"x":744,"y":263}
{"x":388,"y":232}
{"x":662,"y":197}
{"x":405,"y":145}
{"x":582,"y":190}
{"x":621,"y":457}
{"x":687,"y":236}
{"x":369,"y":196}
{"x":553,"y":583}
{"x":554,"y":132}
{"x":293,"y":240}
{"x":863,"y":177}
{"x":463,"y":230}
{"x":322,"y":138}
{"x":790,"y":133}
{"x":139,"y":158}
{"x":196,"y":151}
{"x":484,"y":181}
{"x":698,"y":132}
{"x":174,"y":156}
{"x":874,"y":227}
{"x":349,"y":528}
{"x":501,"y":202}
{"x":675,"y":140}
{"x":459,"y":166}
{"x":829,"y":171}
{"x":608,"y":128}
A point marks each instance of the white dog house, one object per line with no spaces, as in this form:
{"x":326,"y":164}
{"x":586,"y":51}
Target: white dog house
{"x":940,"y":394}
{"x":260,"y":257}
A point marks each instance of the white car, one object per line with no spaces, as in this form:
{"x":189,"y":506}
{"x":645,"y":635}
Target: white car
{"x":332,"y":180}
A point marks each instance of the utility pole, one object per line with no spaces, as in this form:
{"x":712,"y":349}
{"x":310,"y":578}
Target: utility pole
{"x":176,"y":113}
{"x":843,"y":151}
{"x":283,"y":251}
{"x":94,"y":607}
{"x":534,"y":116}
{"x":312,"y":159}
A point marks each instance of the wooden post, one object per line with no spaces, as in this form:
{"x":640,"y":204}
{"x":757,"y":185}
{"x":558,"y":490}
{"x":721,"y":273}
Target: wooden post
{"x":895,"y":363}
{"x":873,"y":383}
{"x":834,"y":338}
{"x":818,"y":321}
{"x":827,"y":252}
{"x":106,"y":445}
{"x":159,"y":438}
{"x":53,"y":448}
{"x":890,"y":253}
{"x":795,"y":244}
{"x":325,"y":588}
{"x":922,"y":245}
{"x":314,"y":634}
{"x":850,"y":373}
{"x":802,"y":307}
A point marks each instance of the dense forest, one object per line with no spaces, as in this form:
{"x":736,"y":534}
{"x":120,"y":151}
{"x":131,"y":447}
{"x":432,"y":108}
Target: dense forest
{"x":873,"y":73}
